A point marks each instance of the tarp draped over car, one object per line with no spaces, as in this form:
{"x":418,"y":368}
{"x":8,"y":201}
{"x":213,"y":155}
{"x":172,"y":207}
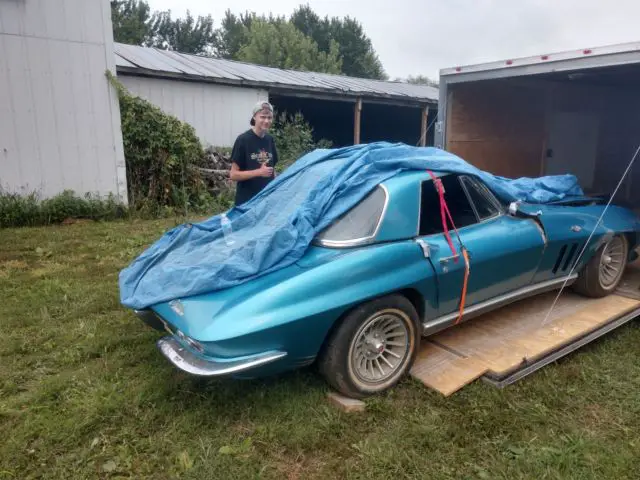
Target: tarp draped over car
{"x":274,"y":229}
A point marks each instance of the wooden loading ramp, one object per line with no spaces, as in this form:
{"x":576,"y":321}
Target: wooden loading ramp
{"x":505,"y":345}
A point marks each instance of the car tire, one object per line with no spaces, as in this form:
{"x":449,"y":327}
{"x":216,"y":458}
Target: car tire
{"x":352,"y":359}
{"x":602,"y":274}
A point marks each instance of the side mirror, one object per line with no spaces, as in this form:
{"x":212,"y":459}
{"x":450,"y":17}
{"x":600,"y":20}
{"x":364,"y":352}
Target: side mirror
{"x":513,"y":208}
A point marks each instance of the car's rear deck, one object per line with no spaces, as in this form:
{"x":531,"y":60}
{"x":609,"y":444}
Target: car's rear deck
{"x":514,"y":341}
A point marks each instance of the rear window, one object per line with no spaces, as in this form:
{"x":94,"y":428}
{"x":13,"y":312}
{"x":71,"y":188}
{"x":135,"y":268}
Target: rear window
{"x":358,"y":224}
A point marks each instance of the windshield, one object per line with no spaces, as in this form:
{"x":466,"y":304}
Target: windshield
{"x":359,"y":224}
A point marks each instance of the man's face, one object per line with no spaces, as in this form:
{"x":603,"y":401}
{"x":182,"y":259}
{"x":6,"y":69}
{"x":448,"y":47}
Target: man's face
{"x":264,"y":119}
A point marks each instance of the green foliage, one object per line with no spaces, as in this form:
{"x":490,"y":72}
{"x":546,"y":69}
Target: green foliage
{"x":31,"y":210}
{"x":188,"y":35}
{"x":133,"y":22}
{"x":232,"y":34}
{"x":280,"y":44}
{"x":293,"y":137}
{"x":162,"y":156}
{"x":422,"y":80}
{"x":354,"y":47}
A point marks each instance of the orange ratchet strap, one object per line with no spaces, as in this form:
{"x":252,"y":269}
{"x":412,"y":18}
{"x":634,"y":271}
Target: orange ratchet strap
{"x":445,"y":213}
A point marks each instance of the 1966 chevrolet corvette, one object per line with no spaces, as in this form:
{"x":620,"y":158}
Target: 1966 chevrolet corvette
{"x":385,"y":273}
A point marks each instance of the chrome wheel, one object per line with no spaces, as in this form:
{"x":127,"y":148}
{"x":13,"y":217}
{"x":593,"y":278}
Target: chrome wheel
{"x":380,"y":347}
{"x":612,"y":262}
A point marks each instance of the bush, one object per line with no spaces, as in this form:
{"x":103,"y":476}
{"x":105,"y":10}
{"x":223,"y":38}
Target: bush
{"x":293,"y":137}
{"x":162,"y":156}
{"x":30,"y":210}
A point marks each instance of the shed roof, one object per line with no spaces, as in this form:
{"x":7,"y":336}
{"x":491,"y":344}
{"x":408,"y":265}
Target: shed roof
{"x":148,"y":61}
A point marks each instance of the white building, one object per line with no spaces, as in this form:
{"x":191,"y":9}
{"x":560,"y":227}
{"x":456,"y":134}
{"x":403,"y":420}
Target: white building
{"x":59,"y":116}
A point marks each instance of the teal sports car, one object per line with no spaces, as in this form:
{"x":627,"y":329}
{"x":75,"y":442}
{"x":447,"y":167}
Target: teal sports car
{"x":390,"y":271}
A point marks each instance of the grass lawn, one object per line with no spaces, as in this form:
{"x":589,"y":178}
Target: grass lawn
{"x":85,"y":394}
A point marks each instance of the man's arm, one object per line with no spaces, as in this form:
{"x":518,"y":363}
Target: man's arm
{"x":239,"y":176}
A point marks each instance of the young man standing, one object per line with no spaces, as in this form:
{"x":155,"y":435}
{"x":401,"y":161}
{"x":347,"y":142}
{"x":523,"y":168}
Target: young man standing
{"x":254,"y":155}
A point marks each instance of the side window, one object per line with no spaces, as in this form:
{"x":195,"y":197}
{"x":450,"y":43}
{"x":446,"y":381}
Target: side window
{"x":484,"y":206}
{"x":358,"y":223}
{"x":461,"y":210}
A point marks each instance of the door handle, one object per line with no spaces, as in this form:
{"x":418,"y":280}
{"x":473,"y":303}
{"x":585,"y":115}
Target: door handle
{"x":446,"y":259}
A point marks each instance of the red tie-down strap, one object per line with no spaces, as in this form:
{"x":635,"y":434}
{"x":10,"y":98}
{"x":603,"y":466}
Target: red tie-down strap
{"x":445,"y":213}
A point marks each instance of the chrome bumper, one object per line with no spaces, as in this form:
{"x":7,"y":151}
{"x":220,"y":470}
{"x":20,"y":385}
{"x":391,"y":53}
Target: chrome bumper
{"x":190,"y":363}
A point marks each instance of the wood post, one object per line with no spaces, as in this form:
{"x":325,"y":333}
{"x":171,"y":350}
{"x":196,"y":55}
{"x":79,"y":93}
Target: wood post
{"x":356,"y":121}
{"x":423,"y":129}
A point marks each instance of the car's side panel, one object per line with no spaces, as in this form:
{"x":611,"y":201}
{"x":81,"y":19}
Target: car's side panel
{"x":504,"y":255}
{"x":296,"y":311}
{"x":568,"y":228}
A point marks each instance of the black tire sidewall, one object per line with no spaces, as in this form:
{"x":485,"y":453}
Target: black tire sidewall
{"x":334,"y":362}
{"x":589,"y":282}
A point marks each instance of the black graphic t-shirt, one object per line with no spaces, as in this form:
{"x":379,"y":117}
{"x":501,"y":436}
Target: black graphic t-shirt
{"x":249,"y":152}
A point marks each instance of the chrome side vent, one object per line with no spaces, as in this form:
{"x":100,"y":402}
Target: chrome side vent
{"x":566,"y":259}
{"x":563,"y":250}
{"x":570,"y":257}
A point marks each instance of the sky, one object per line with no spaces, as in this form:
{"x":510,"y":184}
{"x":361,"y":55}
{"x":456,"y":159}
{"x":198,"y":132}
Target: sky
{"x":420,"y":37}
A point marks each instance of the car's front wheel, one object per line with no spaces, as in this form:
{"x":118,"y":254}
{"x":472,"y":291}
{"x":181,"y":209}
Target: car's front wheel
{"x":602,"y":274}
{"x":372,"y":348}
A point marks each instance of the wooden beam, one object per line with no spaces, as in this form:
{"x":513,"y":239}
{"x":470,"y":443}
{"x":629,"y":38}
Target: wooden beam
{"x":423,"y":128}
{"x":356,"y":121}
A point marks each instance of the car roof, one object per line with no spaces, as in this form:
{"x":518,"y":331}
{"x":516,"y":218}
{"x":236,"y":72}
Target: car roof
{"x":408,"y":177}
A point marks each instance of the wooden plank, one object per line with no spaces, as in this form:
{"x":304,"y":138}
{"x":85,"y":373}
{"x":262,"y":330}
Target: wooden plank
{"x":346,"y":404}
{"x":444,"y":371}
{"x":423,"y":127}
{"x":356,"y":121}
{"x":502,"y":342}
{"x":514,"y":335}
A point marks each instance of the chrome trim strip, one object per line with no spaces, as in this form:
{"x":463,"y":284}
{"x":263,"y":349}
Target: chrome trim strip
{"x":364,"y":240}
{"x":438,"y":324}
{"x":190,"y":363}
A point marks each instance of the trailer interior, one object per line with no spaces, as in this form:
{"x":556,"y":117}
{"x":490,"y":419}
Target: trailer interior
{"x":582,"y":121}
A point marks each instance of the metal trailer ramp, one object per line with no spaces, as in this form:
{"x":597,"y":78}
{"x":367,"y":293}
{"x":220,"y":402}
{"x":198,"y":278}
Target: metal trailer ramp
{"x":510,"y":343}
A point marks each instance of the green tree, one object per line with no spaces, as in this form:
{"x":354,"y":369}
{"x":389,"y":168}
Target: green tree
{"x":133,"y":22}
{"x":233,"y":33}
{"x":278,"y":43}
{"x":422,"y":80}
{"x":359,"y":58}
{"x":185,"y":35}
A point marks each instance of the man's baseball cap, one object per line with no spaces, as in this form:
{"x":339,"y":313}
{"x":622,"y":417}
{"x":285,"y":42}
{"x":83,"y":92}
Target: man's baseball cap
{"x":260,"y":106}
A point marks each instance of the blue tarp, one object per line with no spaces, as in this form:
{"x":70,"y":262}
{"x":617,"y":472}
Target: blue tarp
{"x":274,"y":229}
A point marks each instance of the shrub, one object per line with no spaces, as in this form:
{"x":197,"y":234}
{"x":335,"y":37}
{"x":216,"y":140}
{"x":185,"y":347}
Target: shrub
{"x":162,"y":155}
{"x":31,"y":210}
{"x":293,"y":137}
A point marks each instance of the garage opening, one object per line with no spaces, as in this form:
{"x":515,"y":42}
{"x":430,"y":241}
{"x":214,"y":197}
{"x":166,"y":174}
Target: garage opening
{"x":334,"y":119}
{"x":580,"y":122}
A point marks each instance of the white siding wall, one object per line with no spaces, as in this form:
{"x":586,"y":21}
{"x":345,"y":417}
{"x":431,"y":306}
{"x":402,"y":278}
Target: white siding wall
{"x":59,"y":117}
{"x":219,"y":113}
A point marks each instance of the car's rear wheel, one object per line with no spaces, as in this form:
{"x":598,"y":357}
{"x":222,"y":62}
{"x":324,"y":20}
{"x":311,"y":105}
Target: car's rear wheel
{"x":373,"y":347}
{"x":602,"y":274}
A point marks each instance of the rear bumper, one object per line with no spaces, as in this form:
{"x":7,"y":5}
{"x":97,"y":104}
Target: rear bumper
{"x":209,"y":367}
